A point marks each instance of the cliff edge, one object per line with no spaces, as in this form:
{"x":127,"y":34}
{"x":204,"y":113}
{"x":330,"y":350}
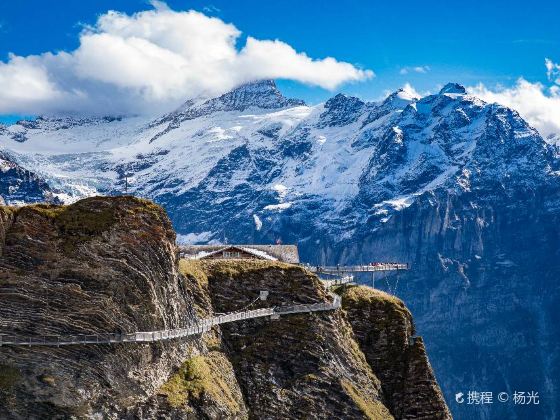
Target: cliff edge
{"x":384,"y":329}
{"x":111,"y":265}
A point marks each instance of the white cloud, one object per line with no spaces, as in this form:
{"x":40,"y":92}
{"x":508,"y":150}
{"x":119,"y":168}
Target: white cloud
{"x":408,"y":92}
{"x":24,"y":80}
{"x":416,"y":69}
{"x":154,"y":60}
{"x":412,"y":92}
{"x":552,"y":71}
{"x":537,"y":104}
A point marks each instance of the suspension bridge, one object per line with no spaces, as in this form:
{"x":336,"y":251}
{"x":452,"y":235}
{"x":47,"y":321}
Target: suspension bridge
{"x":196,"y":328}
{"x":199,"y":326}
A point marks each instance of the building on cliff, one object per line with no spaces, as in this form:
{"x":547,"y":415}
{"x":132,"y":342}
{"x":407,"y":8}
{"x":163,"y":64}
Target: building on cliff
{"x":285,"y":253}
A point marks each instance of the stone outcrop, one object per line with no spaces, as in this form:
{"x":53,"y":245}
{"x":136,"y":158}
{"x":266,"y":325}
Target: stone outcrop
{"x":384,"y":329}
{"x":100,"y":265}
{"x":483,"y":289}
{"x":300,"y":366}
{"x":111,"y":265}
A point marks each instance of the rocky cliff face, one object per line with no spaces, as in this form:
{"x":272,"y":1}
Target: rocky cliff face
{"x":109,"y":265}
{"x":97,"y":266}
{"x":395,"y":353}
{"x":301,"y":366}
{"x":464,"y":190}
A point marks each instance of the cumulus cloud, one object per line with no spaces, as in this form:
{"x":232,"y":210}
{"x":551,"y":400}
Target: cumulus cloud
{"x":552,"y":71}
{"x":416,"y":69}
{"x":411,"y":91}
{"x":538,"y":104}
{"x":155,"y":59}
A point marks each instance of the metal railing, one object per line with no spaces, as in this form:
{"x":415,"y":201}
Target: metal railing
{"x":357,"y":268}
{"x":337,"y":281}
{"x":199,"y":327}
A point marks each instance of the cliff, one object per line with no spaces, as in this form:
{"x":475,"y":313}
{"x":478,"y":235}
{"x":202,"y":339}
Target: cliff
{"x":110,"y":265}
{"x":299,"y":366}
{"x":100,"y":265}
{"x":385,"y":331}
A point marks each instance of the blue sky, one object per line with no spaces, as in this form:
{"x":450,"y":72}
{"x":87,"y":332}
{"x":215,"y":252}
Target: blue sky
{"x":489,"y":42}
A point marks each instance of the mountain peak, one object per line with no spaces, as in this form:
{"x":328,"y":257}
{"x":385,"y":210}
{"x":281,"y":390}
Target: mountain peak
{"x":264,"y":86}
{"x":453,"y":88}
{"x":400,"y":98}
{"x":341,"y":100}
{"x":341,"y":110}
{"x":260,"y":93}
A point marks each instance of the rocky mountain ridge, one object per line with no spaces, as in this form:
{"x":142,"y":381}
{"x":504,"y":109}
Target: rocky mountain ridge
{"x":110,"y":264}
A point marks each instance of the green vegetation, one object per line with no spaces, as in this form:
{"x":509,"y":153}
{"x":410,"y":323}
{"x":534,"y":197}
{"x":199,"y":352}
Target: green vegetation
{"x":88,"y":218}
{"x":144,"y":206}
{"x":365,"y":298}
{"x":193,"y":270}
{"x":366,"y":295}
{"x":47,"y":380}
{"x":232,"y":268}
{"x":197,"y":283}
{"x":198,"y":378}
{"x":372,"y":409}
{"x":294,"y":278}
{"x":7,"y":210}
{"x":76,"y":223}
{"x":9,"y":376}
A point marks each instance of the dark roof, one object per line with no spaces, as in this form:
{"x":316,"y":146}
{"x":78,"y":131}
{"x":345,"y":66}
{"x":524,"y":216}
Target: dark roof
{"x":285,"y":253}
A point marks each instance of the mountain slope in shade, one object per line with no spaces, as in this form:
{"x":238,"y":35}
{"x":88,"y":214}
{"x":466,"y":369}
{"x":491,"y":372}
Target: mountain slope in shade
{"x":466,"y":191}
{"x":20,"y":185}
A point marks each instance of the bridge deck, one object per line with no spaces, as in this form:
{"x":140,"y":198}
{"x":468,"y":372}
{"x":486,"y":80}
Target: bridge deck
{"x":151,"y":336}
{"x":358,"y":268}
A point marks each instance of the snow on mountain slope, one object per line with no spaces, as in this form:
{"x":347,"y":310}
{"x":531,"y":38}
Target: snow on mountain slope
{"x":23,"y":186}
{"x":349,"y":158}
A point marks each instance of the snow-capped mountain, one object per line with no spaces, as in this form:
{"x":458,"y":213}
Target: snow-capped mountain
{"x":21,"y":185}
{"x":251,"y":154}
{"x":466,"y":191}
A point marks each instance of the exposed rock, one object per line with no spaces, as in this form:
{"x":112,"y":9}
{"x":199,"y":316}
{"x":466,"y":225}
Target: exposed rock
{"x":110,"y":265}
{"x":100,"y":265}
{"x":300,"y":366}
{"x":483,"y":290}
{"x":341,"y":110}
{"x":261,"y":94}
{"x":385,"y":332}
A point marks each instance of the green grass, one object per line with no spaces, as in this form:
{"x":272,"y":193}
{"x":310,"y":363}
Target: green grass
{"x":372,"y":409}
{"x":76,"y":223}
{"x":197,"y":378}
{"x":91,"y":217}
{"x":364,"y":294}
